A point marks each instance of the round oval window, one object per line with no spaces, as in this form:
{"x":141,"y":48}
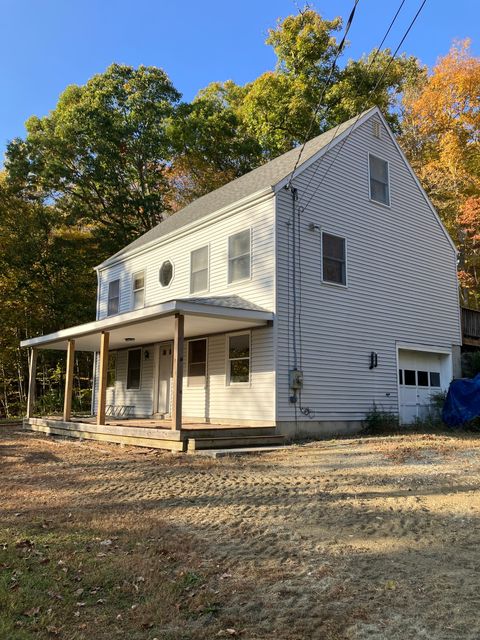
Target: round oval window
{"x":166,"y":273}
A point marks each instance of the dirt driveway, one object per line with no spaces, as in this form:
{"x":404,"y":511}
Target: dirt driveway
{"x":363,"y":538}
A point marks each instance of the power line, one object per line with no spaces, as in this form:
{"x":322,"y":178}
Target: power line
{"x":372,"y":61}
{"x":340,"y":48}
{"x":359,"y":115}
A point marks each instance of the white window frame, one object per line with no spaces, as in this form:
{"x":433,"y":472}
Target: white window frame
{"x":383,"y":204}
{"x":197,"y":386}
{"x":328,"y":282}
{"x":141,"y":369}
{"x":207,"y":247}
{"x":228,"y":382}
{"x":134,"y":276}
{"x":249,"y":277}
{"x":110,"y":282}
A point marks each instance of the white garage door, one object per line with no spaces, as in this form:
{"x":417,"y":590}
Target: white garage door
{"x":420,"y":375}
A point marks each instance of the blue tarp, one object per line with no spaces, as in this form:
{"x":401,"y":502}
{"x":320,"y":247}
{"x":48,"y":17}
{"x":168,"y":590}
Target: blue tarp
{"x":463,"y":401}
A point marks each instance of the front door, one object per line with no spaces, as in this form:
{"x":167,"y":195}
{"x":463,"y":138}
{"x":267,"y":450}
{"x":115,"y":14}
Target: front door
{"x":165,"y":378}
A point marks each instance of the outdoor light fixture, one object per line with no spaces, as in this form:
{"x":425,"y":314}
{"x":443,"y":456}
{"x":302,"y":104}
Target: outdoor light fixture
{"x":373,"y":360}
{"x":129,"y":339}
{"x":146,"y":354}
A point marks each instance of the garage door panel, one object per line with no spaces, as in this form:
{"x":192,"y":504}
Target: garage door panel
{"x":420,"y":377}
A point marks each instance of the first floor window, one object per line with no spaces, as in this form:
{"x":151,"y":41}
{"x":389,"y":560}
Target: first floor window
{"x":239,"y":256}
{"x":197,"y":362}
{"x":113,"y":297}
{"x":139,"y":290}
{"x":134,"y":366}
{"x":333,"y":259}
{"x":379,"y":182}
{"x":112,"y":369}
{"x":199,"y":270}
{"x":239,"y":358}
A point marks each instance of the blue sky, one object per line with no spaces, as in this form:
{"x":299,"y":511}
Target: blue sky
{"x":47,"y":45}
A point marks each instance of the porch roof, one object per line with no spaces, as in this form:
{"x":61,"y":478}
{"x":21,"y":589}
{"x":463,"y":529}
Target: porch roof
{"x":203,"y":316}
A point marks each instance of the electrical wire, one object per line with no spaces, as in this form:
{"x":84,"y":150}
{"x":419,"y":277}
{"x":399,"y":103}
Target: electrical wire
{"x":372,"y":61}
{"x":340,"y":48}
{"x":352,"y":127}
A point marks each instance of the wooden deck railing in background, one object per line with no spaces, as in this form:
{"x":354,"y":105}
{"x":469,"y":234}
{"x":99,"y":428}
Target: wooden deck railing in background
{"x":471,"y":326}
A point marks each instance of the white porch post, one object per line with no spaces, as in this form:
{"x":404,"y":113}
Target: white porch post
{"x":32,"y":376}
{"x":67,"y":403}
{"x":102,"y":382}
{"x":178,"y":343}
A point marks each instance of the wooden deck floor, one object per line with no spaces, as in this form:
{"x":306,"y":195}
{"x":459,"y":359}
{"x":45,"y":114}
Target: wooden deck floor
{"x":157,"y":434}
{"x":158,"y":423}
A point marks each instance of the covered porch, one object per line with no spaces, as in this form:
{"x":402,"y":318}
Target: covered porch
{"x":173,"y":321}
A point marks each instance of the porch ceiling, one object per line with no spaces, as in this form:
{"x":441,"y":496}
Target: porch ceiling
{"x":156,"y":324}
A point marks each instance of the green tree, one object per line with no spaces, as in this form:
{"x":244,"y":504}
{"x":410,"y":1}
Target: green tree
{"x":46,"y":283}
{"x":441,"y":137}
{"x":101,"y":154}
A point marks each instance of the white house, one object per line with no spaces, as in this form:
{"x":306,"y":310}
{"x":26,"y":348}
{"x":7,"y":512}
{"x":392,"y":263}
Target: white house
{"x":280,"y":302}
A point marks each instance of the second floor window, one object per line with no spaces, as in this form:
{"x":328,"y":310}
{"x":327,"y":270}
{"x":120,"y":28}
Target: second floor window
{"x":379,"y":180}
{"x":334,"y":265}
{"x":113,"y":297}
{"x":139,"y":290}
{"x":239,"y":256}
{"x":199,"y":270}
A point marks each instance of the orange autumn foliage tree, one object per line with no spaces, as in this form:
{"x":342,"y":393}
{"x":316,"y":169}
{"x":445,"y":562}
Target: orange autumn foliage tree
{"x":441,"y":136}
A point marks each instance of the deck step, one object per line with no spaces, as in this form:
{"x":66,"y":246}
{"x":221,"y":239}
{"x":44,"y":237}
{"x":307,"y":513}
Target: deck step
{"x":227,"y":432}
{"x":224,"y":442}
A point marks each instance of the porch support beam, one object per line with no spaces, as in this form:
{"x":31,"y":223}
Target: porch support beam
{"x":102,"y":379}
{"x":67,"y":403}
{"x":32,"y":376}
{"x":178,"y":345}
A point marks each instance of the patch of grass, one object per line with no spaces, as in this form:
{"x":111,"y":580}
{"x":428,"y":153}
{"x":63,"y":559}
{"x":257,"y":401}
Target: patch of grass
{"x":70,"y":584}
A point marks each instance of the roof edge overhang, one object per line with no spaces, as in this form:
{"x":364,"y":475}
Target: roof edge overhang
{"x":218,"y":214}
{"x":162,"y":310}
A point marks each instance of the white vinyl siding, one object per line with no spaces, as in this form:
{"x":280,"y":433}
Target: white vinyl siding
{"x":113,"y":305}
{"x":215,"y":401}
{"x":402,"y":283}
{"x":258,"y":289}
{"x":239,"y":258}
{"x":379,"y":179}
{"x":138,"y":290}
{"x":199,"y":270}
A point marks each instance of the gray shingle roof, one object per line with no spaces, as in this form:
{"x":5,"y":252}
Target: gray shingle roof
{"x":267,"y":175}
{"x":231,"y":302}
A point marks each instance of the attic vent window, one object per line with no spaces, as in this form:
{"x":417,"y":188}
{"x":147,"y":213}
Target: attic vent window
{"x":166,"y":273}
{"x":376,"y":128}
